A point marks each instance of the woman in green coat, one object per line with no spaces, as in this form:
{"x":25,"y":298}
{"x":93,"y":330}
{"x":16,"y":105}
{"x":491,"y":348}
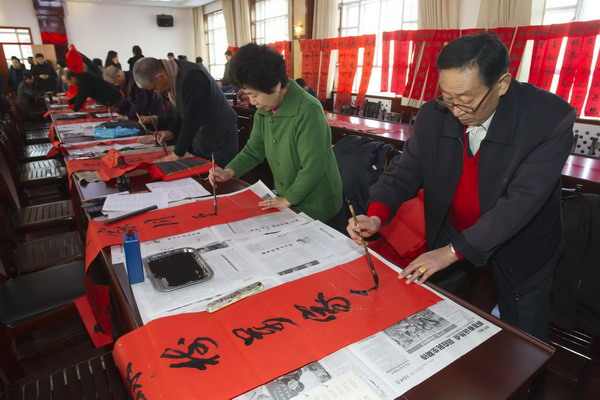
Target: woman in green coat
{"x":290,"y":131}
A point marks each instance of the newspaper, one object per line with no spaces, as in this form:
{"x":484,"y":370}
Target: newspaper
{"x":394,"y":360}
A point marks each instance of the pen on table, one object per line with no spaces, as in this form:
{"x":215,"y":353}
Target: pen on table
{"x":214,"y":185}
{"x":131,"y":214}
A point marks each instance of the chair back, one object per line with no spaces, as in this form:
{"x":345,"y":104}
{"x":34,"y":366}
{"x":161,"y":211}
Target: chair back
{"x":393,"y":117}
{"x":371,"y":109}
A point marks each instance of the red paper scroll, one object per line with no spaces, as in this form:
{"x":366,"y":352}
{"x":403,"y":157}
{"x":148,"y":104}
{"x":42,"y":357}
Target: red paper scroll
{"x":368,"y":43}
{"x":385,"y":60}
{"x":94,"y":307}
{"x":125,"y":164}
{"x":172,"y":221}
{"x":311,"y":58}
{"x":522,"y":34}
{"x":348,"y":58}
{"x":575,"y":70}
{"x":402,"y":46}
{"x":328,"y":45}
{"x":284,"y":48}
{"x":221,"y":355}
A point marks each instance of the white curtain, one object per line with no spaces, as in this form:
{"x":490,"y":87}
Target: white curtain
{"x":503,"y":13}
{"x":325,"y":25}
{"x":199,"y":39}
{"x":237,"y":21}
{"x":437,"y":14}
{"x":326,"y":20}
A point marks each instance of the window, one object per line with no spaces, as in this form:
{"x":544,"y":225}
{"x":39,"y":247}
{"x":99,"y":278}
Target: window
{"x":216,"y":40}
{"x":270,"y":21}
{"x":362,"y":17}
{"x":565,"y":11}
{"x":16,"y":42}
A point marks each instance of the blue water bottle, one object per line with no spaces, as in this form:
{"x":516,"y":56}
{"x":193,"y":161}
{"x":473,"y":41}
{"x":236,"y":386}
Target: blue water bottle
{"x":133,"y":257}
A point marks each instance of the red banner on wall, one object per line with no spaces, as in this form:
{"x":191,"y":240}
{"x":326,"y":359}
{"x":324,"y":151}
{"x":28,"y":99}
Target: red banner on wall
{"x":368,"y":43}
{"x":327,"y":46}
{"x":311,"y":58}
{"x":284,"y":47}
{"x":197,"y":355}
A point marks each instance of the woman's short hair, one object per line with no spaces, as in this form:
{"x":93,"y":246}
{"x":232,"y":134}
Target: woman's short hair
{"x":257,"y":67}
{"x":484,"y":50}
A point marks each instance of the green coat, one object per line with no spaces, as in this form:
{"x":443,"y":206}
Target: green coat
{"x":296,"y":142}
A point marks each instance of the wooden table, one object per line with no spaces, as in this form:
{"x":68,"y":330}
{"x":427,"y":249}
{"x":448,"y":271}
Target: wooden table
{"x":501,"y":367}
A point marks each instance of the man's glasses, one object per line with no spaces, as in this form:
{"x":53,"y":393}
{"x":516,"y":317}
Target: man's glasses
{"x":465,"y":108}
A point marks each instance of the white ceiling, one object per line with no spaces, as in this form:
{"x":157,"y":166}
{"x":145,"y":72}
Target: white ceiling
{"x":155,"y":3}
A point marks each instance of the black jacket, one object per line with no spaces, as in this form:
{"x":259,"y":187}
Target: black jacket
{"x":96,"y":88}
{"x":205,"y":121}
{"x":520,"y":164}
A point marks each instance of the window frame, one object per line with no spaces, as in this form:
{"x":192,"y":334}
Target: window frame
{"x":254,"y":21}
{"x":211,"y":63}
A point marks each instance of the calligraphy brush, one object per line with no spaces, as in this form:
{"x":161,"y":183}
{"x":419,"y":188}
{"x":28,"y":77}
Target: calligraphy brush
{"x":146,"y":129}
{"x":369,"y":260}
{"x":164,"y":146}
{"x":214,"y":185}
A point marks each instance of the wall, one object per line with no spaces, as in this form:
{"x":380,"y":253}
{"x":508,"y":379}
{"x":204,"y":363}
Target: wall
{"x":20,"y":13}
{"x":97,"y":28}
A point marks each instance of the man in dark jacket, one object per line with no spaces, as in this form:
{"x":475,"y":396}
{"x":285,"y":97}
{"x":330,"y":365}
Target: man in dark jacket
{"x":205,"y":121}
{"x":15,"y":73}
{"x":91,"y":86}
{"x":45,"y":76}
{"x":27,"y":94}
{"x":488,"y":154}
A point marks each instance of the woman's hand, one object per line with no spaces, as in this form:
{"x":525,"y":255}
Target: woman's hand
{"x":170,"y":157}
{"x":428,"y":264}
{"x":367,"y":226}
{"x":277,"y":202}
{"x":219,"y":174}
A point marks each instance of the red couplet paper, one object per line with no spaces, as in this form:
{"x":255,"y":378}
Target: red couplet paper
{"x":224,"y":354}
{"x":125,"y":164}
{"x":94,"y":307}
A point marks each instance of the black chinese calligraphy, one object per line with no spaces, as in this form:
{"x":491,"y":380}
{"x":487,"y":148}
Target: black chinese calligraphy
{"x":269,"y":327}
{"x":326,"y":309}
{"x":116,"y":230}
{"x":135,"y":388}
{"x":198,"y":354}
{"x":162,"y":221}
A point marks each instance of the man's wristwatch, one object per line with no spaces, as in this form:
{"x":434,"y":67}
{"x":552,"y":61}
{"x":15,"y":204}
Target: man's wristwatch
{"x":451,"y":248}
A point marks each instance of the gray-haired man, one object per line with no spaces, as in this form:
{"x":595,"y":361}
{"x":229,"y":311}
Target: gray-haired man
{"x":205,"y":121}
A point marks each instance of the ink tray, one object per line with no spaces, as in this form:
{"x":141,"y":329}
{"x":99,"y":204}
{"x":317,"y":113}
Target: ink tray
{"x":175,"y":269}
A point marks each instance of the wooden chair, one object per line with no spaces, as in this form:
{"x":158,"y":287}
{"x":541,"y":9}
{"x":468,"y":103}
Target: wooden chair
{"x":94,"y":378}
{"x":35,"y":255}
{"x":393,"y":117}
{"x":37,"y":217}
{"x":349,"y":110}
{"x":33,"y":302}
{"x":371,"y":109}
{"x":413,"y":118}
{"x":33,"y":180}
{"x":25,"y":152}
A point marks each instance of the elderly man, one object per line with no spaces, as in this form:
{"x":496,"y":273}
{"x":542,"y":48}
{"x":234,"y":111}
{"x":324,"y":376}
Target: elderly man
{"x":137,"y":101}
{"x":489,"y":154}
{"x":205,"y":122}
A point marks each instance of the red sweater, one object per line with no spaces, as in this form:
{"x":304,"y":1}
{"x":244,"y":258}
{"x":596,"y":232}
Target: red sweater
{"x":464,"y":207}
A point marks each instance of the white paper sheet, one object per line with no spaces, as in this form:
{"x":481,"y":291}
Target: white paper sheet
{"x":136,"y":201}
{"x":180,"y":189}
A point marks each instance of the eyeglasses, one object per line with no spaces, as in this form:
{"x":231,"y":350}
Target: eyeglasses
{"x":465,"y":108}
